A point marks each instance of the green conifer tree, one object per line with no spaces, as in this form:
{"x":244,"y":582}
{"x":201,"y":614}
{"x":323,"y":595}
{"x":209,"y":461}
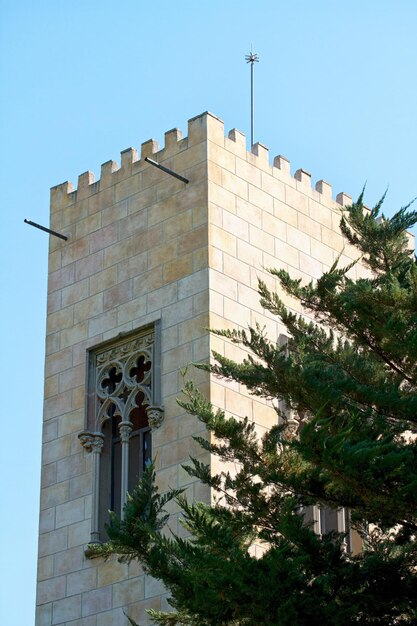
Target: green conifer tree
{"x":350,"y":377}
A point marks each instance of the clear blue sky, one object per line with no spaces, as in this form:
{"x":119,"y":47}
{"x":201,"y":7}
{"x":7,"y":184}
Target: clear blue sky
{"x":82,"y":80}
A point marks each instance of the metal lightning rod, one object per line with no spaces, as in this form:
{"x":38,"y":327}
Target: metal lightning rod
{"x":251,"y":58}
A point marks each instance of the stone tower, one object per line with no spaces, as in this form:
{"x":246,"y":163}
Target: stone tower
{"x":150,"y":263}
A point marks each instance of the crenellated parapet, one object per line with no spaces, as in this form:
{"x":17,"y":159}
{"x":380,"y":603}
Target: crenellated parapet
{"x":203,"y":128}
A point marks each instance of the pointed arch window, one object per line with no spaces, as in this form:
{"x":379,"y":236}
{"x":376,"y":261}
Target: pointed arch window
{"x":123,"y":405}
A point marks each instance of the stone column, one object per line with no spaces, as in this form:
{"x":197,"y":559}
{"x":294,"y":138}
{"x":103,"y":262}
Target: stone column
{"x":125,"y":428}
{"x":93,"y":442}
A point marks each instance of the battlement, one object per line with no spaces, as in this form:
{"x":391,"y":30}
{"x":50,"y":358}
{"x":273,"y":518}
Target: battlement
{"x":204,"y":127}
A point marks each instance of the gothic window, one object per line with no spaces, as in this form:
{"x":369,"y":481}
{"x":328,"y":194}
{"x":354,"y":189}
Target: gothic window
{"x":122,"y":407}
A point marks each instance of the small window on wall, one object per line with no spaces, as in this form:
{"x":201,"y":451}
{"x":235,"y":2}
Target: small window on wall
{"x":123,"y":405}
{"x":325,"y":520}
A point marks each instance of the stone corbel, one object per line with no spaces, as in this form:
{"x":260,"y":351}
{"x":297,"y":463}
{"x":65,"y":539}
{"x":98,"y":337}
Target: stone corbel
{"x":91,"y":442}
{"x":291,"y":429}
{"x":155,"y":416}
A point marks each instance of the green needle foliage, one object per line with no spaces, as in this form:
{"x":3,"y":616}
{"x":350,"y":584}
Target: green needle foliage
{"x":351,"y":378}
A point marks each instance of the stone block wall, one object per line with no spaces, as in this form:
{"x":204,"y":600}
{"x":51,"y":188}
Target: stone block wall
{"x":144,"y":246}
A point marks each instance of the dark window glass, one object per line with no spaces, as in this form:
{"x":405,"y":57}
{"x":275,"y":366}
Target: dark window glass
{"x":328,"y":521}
{"x":139,"y":443}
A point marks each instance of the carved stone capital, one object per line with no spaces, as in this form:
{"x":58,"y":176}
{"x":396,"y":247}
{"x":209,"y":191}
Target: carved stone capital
{"x":97,"y":443}
{"x":91,"y":442}
{"x":155,"y":416}
{"x":291,"y":429}
{"x":125,"y":428}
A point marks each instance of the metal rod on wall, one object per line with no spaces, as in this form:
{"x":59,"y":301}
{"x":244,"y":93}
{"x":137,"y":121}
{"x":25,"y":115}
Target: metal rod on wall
{"x":46,"y":230}
{"x":167,"y":170}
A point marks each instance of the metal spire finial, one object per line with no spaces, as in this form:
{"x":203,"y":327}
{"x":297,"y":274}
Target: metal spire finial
{"x":251,"y":58}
